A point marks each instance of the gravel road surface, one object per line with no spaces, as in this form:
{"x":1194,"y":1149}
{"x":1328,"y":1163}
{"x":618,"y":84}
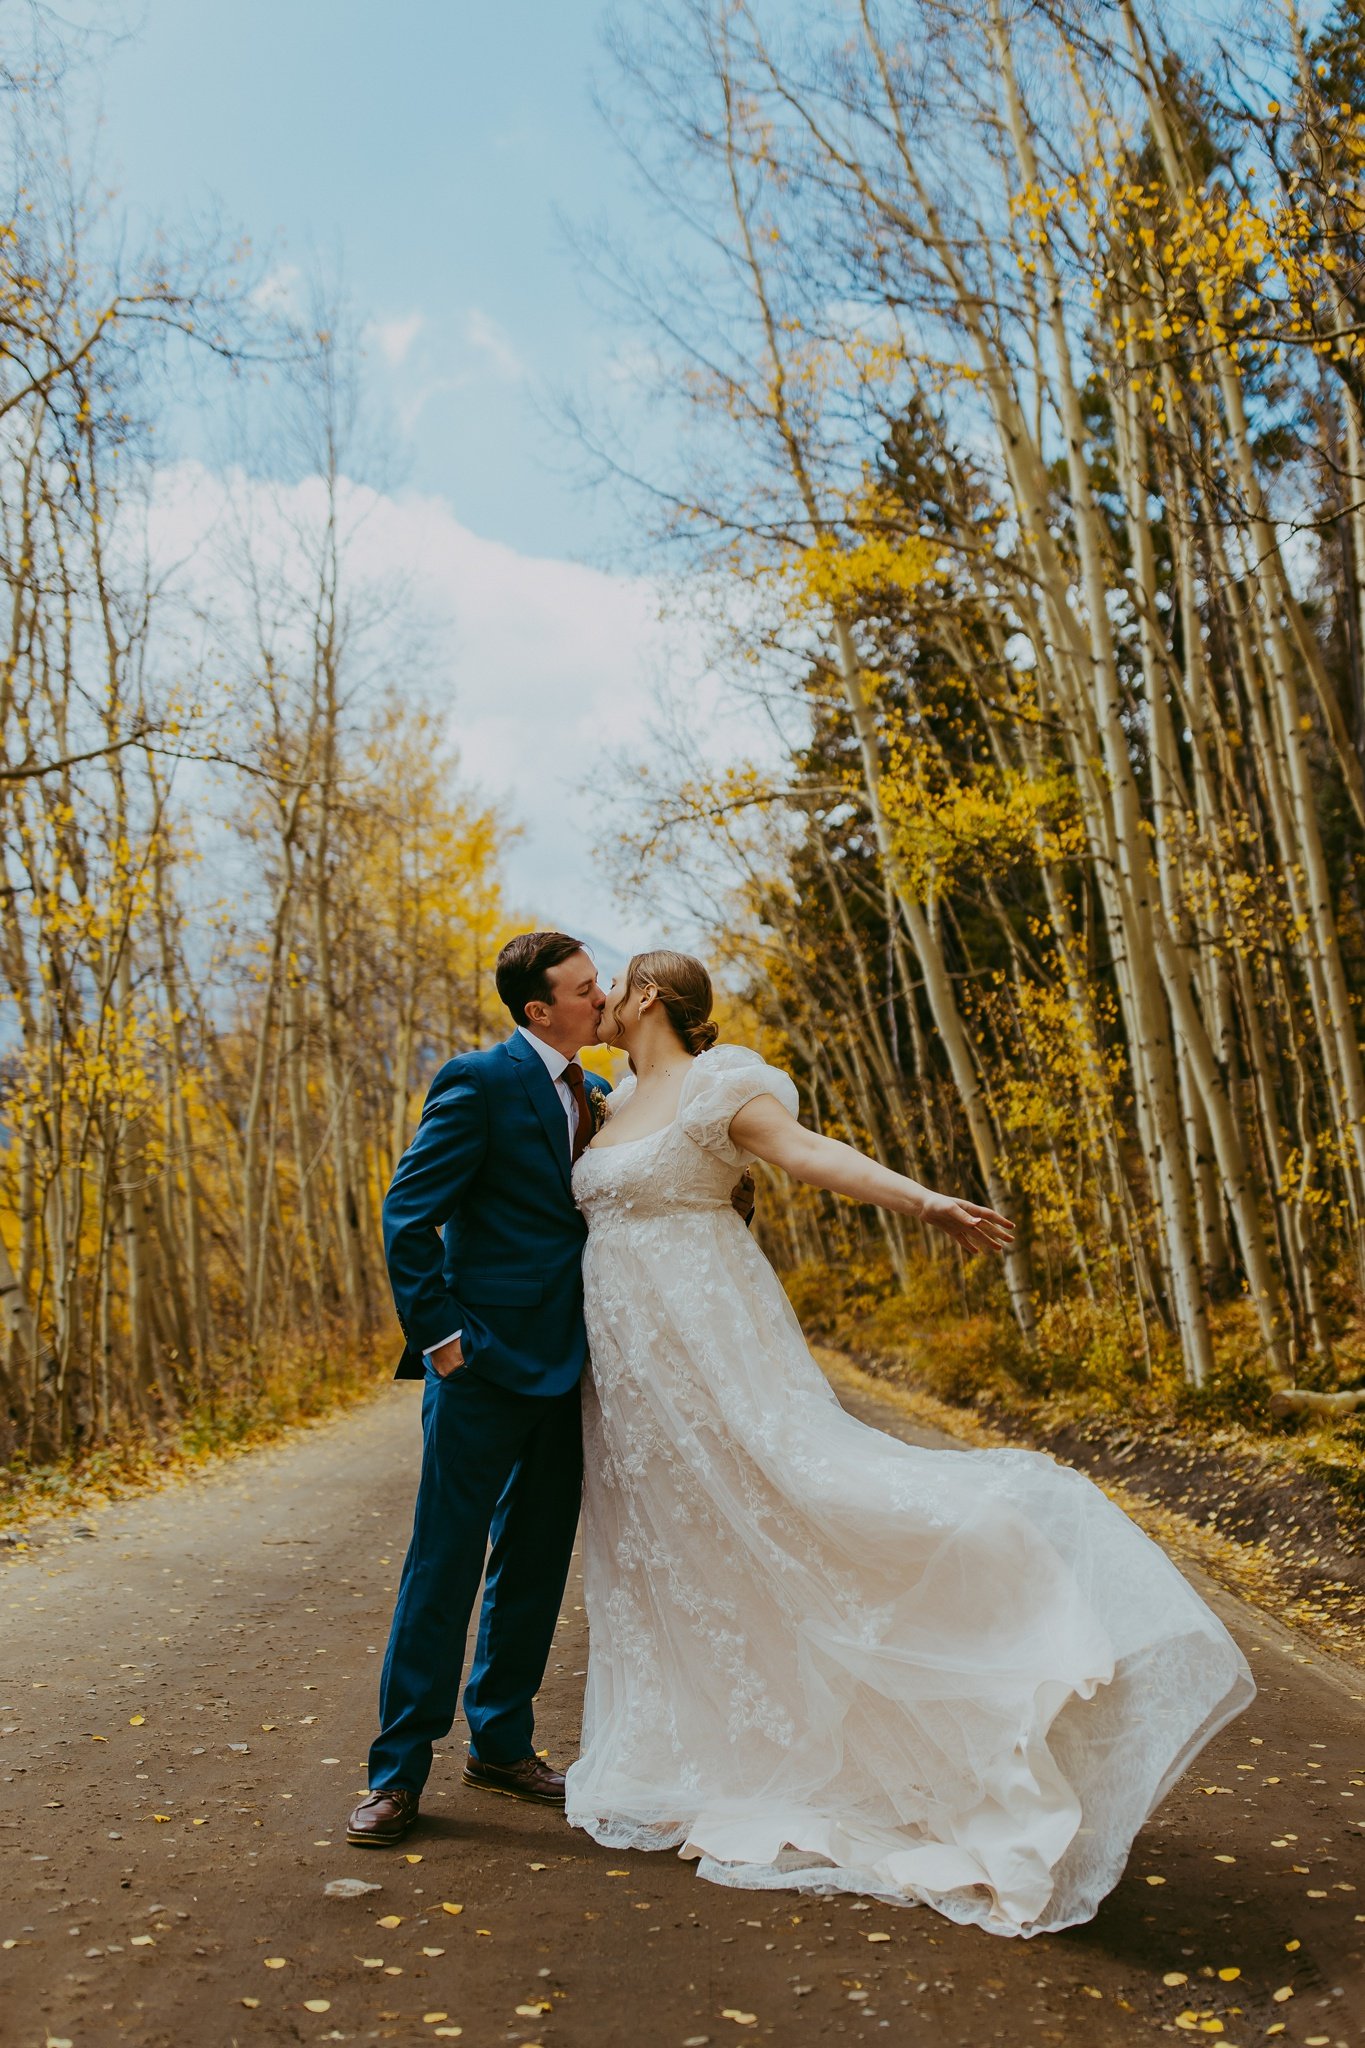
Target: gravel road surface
{"x":187,"y":1695}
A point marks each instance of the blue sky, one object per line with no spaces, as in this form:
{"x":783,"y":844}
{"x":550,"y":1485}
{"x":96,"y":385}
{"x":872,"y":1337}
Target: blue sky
{"x":427,"y":146}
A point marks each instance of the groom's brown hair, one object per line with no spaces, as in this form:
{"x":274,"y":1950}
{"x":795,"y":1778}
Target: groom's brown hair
{"x":523,"y":969}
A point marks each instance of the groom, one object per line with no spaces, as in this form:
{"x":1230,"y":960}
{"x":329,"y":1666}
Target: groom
{"x":493,"y":1316}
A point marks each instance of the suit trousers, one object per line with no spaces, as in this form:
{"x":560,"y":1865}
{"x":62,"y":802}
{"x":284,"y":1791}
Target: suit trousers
{"x":502,"y":1477}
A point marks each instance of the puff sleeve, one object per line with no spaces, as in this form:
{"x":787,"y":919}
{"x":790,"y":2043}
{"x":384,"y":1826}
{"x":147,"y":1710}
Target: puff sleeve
{"x":722,"y":1080}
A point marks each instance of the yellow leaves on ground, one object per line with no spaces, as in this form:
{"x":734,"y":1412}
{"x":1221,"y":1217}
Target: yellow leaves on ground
{"x":136,"y":1720}
{"x":276,"y":1962}
{"x":391,"y":1920}
{"x":317,"y":2005}
{"x":447,"y":1907}
{"x":741,"y":2019}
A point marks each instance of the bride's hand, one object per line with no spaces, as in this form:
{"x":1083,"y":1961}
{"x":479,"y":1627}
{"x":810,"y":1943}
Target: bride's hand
{"x":976,"y":1229}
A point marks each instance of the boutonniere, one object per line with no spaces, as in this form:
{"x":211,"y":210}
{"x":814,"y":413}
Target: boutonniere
{"x":597,"y":1108}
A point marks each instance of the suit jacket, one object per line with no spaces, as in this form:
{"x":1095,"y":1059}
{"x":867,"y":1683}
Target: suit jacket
{"x":489,"y":1165}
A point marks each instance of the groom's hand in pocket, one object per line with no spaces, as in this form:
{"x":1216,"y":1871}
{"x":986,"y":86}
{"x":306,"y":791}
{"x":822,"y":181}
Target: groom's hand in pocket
{"x":448,"y":1359}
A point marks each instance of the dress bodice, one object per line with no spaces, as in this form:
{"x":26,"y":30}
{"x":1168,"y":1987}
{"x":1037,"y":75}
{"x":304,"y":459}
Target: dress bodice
{"x":692,"y":1163}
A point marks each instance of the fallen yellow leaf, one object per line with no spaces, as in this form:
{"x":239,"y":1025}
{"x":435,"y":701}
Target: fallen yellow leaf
{"x":412,"y":1859}
{"x":879,"y":1937}
{"x":429,"y":2019}
{"x":1175,"y":1977}
{"x":532,"y":2012}
{"x":1156,"y":1880}
{"x":276,"y":1962}
{"x":1225,"y":1859}
{"x":741,"y":2019}
{"x":433,"y":1951}
{"x":539,"y":1866}
{"x":160,"y":1816}
{"x":391,"y":1920}
{"x":252,"y":2002}
{"x":136,"y":1720}
{"x":317,"y":2005}
{"x":370,"y":1962}
{"x":1229,"y":1976}
{"x":1290,"y":1946}
{"x":142,"y":1941}
{"x":1285,"y":1991}
{"x":446,"y":1907}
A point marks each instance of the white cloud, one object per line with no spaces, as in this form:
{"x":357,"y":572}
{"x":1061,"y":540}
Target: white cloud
{"x":483,"y":333}
{"x":549,"y":665}
{"x":281,"y":291}
{"x":394,"y":338}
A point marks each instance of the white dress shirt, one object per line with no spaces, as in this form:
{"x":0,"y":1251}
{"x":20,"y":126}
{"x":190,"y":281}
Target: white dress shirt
{"x":555,"y":1063}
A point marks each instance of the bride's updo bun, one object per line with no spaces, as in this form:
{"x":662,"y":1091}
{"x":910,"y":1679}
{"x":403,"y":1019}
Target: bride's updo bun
{"x":684,"y":988}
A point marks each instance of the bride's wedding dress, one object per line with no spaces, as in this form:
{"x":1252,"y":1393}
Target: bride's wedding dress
{"x":825,"y":1660}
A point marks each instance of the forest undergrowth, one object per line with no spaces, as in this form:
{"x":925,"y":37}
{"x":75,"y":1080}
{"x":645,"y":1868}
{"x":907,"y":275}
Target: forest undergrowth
{"x":250,"y":1403}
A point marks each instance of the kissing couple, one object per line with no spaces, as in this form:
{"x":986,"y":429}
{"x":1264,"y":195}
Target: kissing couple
{"x":820,"y":1659}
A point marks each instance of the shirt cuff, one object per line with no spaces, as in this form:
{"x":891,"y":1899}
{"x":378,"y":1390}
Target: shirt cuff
{"x":444,"y":1341}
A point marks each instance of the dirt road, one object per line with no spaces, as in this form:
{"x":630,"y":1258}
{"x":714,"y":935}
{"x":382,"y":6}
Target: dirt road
{"x":186,"y":1697}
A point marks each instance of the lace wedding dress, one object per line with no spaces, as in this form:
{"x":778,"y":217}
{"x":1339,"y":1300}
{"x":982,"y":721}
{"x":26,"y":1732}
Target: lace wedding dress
{"x":824,"y":1660}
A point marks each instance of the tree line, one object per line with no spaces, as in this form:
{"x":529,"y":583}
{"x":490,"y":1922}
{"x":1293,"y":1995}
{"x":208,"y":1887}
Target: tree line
{"x":245,"y":897}
{"x":1016,"y":352}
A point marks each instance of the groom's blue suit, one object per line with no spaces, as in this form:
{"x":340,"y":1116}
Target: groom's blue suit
{"x":502,"y":1449}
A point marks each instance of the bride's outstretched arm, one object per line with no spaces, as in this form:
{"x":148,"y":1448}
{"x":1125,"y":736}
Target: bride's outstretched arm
{"x":766,"y":1129}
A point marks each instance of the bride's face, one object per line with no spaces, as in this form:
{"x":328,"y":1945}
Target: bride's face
{"x":620,"y":1012}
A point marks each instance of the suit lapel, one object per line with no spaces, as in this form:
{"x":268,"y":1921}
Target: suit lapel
{"x":535,"y":1079}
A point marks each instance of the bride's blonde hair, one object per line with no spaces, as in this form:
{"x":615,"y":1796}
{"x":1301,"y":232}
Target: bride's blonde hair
{"x":683,"y":987}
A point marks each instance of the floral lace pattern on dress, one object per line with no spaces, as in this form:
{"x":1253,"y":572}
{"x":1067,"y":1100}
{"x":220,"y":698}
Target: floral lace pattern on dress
{"x":823,"y":1659}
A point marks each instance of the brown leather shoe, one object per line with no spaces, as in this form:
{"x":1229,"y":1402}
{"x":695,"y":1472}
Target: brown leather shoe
{"x":382,"y":1818}
{"x":528,"y":1778}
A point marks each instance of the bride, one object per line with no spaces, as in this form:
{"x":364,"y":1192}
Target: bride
{"x":822,"y":1659}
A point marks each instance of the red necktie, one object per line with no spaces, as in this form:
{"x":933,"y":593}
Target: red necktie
{"x":573,"y":1074}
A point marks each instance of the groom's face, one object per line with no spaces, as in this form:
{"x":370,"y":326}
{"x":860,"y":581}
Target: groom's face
{"x":570,"y":1018}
